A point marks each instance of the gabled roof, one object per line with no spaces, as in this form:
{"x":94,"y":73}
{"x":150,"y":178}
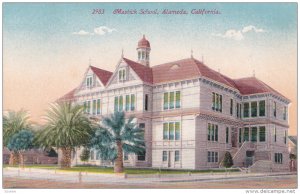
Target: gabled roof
{"x":68,"y":96}
{"x":144,"y":72}
{"x":186,"y":69}
{"x":103,"y":75}
{"x":252,"y":85}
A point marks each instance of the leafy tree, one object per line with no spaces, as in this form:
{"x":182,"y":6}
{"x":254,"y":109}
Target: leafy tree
{"x":20,"y":142}
{"x":227,"y":162}
{"x":85,"y":155}
{"x":14,"y":122}
{"x":67,"y":127}
{"x":116,"y":136}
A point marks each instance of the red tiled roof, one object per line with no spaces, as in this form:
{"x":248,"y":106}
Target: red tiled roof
{"x":68,"y":96}
{"x":186,"y":69}
{"x":103,"y":75}
{"x":252,"y":85}
{"x":144,"y":72}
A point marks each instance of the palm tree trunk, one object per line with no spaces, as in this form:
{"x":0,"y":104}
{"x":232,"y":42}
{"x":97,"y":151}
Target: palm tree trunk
{"x":66,"y":157}
{"x":118,"y":168}
{"x":14,"y":158}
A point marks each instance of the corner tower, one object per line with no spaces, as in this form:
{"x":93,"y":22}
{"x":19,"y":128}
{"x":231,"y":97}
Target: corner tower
{"x":143,"y":50}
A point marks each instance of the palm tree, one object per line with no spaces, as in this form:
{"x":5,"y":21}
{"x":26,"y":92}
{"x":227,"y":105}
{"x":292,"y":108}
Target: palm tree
{"x":14,"y":122}
{"x":67,"y":127}
{"x":116,"y":135}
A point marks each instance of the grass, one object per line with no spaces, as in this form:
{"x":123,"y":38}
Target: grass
{"x":110,"y":170}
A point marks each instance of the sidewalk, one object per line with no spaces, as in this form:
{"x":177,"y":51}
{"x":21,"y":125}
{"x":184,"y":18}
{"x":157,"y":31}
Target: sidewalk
{"x":75,"y":177}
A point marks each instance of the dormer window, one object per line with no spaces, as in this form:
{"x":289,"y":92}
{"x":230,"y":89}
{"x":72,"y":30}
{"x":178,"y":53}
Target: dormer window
{"x":122,"y":75}
{"x":89,"y":81}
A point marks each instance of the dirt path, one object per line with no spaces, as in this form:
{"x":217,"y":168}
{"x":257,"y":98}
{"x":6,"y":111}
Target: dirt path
{"x":284,"y":182}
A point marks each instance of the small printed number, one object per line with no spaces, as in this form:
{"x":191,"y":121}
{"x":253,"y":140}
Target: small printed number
{"x":98,"y":11}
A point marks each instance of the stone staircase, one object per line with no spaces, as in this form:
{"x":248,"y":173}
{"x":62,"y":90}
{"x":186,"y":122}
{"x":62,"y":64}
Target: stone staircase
{"x":261,"y":166}
{"x":240,"y":155}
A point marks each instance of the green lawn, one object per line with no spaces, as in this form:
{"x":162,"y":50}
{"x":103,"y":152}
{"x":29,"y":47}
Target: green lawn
{"x":109,"y":170}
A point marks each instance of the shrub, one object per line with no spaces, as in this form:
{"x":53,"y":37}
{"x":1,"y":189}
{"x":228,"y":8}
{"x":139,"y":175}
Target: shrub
{"x":227,"y":162}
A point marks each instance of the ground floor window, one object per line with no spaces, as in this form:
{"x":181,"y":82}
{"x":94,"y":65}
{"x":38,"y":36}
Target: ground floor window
{"x":278,"y":158}
{"x":212,"y":156}
{"x":164,"y":156}
{"x":142,"y":156}
{"x":125,"y":156}
{"x":177,"y":155}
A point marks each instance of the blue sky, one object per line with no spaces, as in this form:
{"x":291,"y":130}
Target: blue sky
{"x":41,"y":42}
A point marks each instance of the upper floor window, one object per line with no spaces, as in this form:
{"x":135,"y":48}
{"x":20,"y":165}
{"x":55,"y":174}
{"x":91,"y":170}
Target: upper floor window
{"x":216,"y":102}
{"x":171,"y":131}
{"x":227,"y":134}
{"x":275,"y":134}
{"x":284,"y":113}
{"x":238,"y":110}
{"x":172,"y":100}
{"x":246,"y":134}
{"x":254,"y":134}
{"x":246,"y":109}
{"x":89,"y":81}
{"x":262,"y":108}
{"x":285,"y":136}
{"x":212,"y":132}
{"x":274,"y":108}
{"x":254,"y":109}
{"x":146,"y":102}
{"x":262,"y":134}
{"x":231,"y":106}
{"x":129,"y":103}
{"x":240,"y":135}
{"x":122,"y":75}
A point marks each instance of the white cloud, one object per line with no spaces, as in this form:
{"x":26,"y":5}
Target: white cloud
{"x":82,"y":33}
{"x":239,"y":34}
{"x":101,"y":30}
{"x":252,"y":28}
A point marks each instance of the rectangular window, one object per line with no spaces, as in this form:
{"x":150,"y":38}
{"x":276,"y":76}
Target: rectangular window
{"x":246,"y":109}
{"x":285,"y":113}
{"x":227,"y":134}
{"x":275,"y":134}
{"x":278,"y":158}
{"x":216,"y":133}
{"x":116,"y":104}
{"x":166,"y":131}
{"x":237,"y":110}
{"x":98,"y":155}
{"x":213,"y":101}
{"x":254,"y":134}
{"x":132,"y":107}
{"x":246,"y":134}
{"x":262,"y":134}
{"x":220,"y":104}
{"x":212,"y":132}
{"x":262,"y":108}
{"x":212,"y":156}
{"x":88,"y":107}
{"x":142,"y":156}
{"x":120,"y":103}
{"x":177,"y":156}
{"x":208,"y":131}
{"x":146,"y":102}
{"x":171,"y":106}
{"x":240,"y":135}
{"x":171,"y":131}
{"x":274,"y":108}
{"x":177,"y":131}
{"x":166,"y":101}
{"x":98,"y":106}
{"x":125,"y":156}
{"x":94,"y":107}
{"x":89,"y":81}
{"x":240,"y":111}
{"x":127,"y":103}
{"x":178,"y":96}
{"x":285,"y":136}
{"x":165,"y":156}
{"x":253,"y":109}
{"x":231,"y":106}
{"x":92,"y":155}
